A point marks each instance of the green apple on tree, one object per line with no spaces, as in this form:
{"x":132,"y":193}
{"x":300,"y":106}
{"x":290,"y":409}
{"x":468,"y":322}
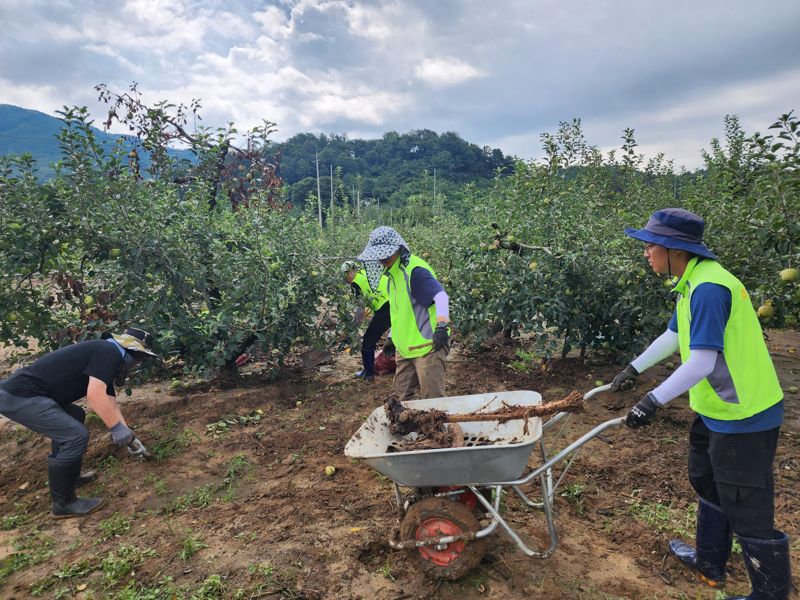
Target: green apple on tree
{"x":790,"y":275}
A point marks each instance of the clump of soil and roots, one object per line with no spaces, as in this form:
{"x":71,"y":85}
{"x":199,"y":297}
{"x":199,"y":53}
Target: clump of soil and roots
{"x":438,"y":429}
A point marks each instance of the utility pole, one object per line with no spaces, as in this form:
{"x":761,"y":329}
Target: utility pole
{"x":358,"y":199}
{"x":331,"y":194}
{"x":435,"y":208}
{"x":319,"y":192}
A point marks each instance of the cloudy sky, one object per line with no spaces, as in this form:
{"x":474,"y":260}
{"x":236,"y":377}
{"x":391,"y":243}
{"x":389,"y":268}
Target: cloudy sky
{"x":498,"y":72}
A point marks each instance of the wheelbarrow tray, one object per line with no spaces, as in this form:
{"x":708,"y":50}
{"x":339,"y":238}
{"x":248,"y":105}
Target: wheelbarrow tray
{"x":492,"y":451}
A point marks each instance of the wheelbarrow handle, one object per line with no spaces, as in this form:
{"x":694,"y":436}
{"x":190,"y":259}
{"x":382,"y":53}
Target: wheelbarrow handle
{"x":418,"y":346}
{"x":562,"y":415}
{"x":597,"y":390}
{"x":554,"y":460}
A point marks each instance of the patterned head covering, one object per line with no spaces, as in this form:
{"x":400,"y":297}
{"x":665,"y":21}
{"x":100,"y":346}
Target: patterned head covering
{"x":383,"y":243}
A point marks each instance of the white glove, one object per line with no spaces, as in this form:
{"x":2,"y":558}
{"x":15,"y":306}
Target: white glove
{"x":136,"y":449}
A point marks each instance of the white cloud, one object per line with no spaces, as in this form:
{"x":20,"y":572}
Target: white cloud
{"x":444,"y":72}
{"x":106,"y":50}
{"x":375,"y":22}
{"x":41,"y":97}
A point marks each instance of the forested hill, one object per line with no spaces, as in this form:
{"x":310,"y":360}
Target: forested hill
{"x":29,"y":131}
{"x":389,"y":169}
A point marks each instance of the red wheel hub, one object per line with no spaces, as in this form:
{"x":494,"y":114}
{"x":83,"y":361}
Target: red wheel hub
{"x":436,"y":528}
{"x":467,"y":498}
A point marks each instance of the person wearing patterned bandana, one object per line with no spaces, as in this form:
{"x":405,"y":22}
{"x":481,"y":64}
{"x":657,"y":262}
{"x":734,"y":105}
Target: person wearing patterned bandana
{"x":41,"y":397}
{"x":735,"y":392}
{"x":419,"y":310}
{"x":377,"y":304}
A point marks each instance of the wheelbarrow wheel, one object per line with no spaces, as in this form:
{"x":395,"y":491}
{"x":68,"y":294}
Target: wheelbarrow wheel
{"x":435,"y":517}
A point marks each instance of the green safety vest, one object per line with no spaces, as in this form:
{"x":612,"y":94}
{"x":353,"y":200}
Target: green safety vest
{"x":375,"y":298}
{"x":412,"y":323}
{"x":744,"y":381}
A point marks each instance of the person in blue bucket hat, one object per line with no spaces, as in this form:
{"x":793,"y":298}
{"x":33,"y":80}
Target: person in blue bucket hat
{"x":733,"y":388}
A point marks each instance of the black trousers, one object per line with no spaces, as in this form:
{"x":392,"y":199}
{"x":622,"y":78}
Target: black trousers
{"x":734,"y":471}
{"x":379,"y":325}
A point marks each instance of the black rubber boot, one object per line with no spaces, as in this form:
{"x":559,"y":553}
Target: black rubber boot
{"x":77,"y":413}
{"x":85,"y":476}
{"x":769,"y":567}
{"x":63,"y":476}
{"x":368,"y":372}
{"x":713,"y":545}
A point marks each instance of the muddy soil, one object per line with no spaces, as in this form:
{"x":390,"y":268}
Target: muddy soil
{"x":237,"y":503}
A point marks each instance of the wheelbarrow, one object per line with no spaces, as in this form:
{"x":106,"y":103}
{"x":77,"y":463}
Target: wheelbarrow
{"x":452,"y":487}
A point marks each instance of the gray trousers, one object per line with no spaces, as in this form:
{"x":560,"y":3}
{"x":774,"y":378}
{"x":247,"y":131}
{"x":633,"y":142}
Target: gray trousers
{"x":63,"y":425}
{"x":421,"y":377}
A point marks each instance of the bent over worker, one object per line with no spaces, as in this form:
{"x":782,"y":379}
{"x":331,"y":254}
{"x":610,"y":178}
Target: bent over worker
{"x":419,"y":311}
{"x":378,"y":304}
{"x":40,"y":396}
{"x":735,"y":392}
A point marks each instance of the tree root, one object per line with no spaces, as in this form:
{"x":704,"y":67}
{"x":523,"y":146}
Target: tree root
{"x":437,"y":429}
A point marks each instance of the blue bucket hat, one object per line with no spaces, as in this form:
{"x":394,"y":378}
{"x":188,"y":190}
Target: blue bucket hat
{"x":674,"y":228}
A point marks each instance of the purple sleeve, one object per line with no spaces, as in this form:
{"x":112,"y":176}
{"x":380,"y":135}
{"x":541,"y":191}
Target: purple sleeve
{"x":442,"y":302}
{"x":424,"y":286}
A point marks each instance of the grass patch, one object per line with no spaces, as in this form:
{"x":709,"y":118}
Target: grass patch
{"x":525,"y":361}
{"x":31,"y":549}
{"x":116,"y":525}
{"x":574,"y":495}
{"x":238,"y":468}
{"x":79,"y":568}
{"x":223,"y":426}
{"x":110,"y":465}
{"x":159,"y":485}
{"x":273,"y":583}
{"x":198,"y":498}
{"x":211,"y":589}
{"x":172,"y":444}
{"x":189,"y":547}
{"x":120,"y":564}
{"x":13,"y":521}
{"x":663,"y":517}
{"x":386,"y":570}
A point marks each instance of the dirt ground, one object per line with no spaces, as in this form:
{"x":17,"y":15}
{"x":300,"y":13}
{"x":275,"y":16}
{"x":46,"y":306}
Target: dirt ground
{"x":237,"y":503}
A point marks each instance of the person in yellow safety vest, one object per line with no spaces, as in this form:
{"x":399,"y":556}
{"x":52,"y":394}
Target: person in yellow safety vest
{"x":733,"y":387}
{"x":378,"y":304}
{"x":419,"y":310}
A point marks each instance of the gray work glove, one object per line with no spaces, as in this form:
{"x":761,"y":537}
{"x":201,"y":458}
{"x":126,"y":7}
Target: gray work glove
{"x":625,"y":379}
{"x":121,"y":435}
{"x":137,"y":449}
